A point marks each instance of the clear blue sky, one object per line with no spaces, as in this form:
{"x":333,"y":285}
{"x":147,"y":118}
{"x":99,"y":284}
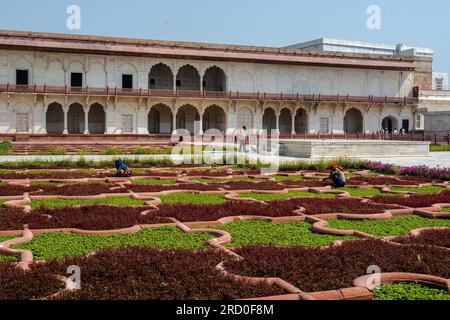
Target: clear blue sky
{"x":252,"y":22}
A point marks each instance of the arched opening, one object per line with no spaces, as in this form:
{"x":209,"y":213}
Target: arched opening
{"x":160,"y":119}
{"x":269,"y":120}
{"x":96,"y":119}
{"x":285,"y":121}
{"x":390,"y":124}
{"x":160,"y":77}
{"x":244,"y":118}
{"x":301,"y":121}
{"x":353,"y":121}
{"x":214,"y":118}
{"x":188,"y":78}
{"x":214,"y":79}
{"x":75,"y":119}
{"x":187,"y":115}
{"x":54,"y":119}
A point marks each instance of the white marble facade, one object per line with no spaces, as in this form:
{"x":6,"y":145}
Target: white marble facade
{"x":84,"y":114}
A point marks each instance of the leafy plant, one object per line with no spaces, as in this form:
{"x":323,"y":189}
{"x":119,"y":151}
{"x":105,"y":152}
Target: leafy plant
{"x":409,"y":291}
{"x":58,"y":203}
{"x":61,"y":245}
{"x":393,"y":227}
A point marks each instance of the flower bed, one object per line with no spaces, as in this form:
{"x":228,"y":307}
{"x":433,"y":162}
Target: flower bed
{"x":86,"y":217}
{"x":396,"y":226}
{"x":409,"y":291}
{"x":61,"y":245}
{"x":80,"y":189}
{"x":318,"y":269}
{"x":377,"y":181}
{"x":416,"y":200}
{"x":433,"y":237}
{"x":59,"y":203}
{"x":280,"y":234}
{"x":132,"y":274}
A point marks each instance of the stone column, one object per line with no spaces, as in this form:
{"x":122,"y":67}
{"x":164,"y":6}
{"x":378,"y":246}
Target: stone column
{"x":44,"y":121}
{"x":293,"y":123}
{"x":200,"y":125}
{"x":86,"y":120}
{"x":66,"y":110}
{"x":106,"y":110}
{"x":174,"y":120}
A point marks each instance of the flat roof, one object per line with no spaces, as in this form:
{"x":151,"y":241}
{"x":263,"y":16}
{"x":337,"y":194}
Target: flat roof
{"x":65,"y":43}
{"x":360,"y":44}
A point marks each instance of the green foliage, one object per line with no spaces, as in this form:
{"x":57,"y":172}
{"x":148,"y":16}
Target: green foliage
{"x":394,"y":227}
{"x":283,"y":196}
{"x":350,"y":164}
{"x":113,"y":151}
{"x":281,"y":234}
{"x":5,"y":148}
{"x":423,"y":190}
{"x":154,"y":181}
{"x":59,"y":203}
{"x":192,"y":198}
{"x":142,"y":150}
{"x":4,"y":258}
{"x":54,"y":152}
{"x":361,"y":192}
{"x":82,"y":163}
{"x":287,"y":178}
{"x":409,"y":291}
{"x":439,"y":148}
{"x":61,"y":245}
{"x":214,"y":180}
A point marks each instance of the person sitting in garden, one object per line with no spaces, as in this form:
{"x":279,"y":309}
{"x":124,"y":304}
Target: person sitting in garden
{"x":122,"y":169}
{"x":337,"y":177}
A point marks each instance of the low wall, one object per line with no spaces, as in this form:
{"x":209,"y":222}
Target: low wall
{"x":353,"y":148}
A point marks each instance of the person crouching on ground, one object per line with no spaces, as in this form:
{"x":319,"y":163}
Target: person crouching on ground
{"x":122,"y":169}
{"x":337,"y":177}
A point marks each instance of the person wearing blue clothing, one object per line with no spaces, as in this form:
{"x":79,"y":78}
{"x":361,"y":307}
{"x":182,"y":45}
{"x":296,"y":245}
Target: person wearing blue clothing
{"x":337,"y":176}
{"x":122,"y":169}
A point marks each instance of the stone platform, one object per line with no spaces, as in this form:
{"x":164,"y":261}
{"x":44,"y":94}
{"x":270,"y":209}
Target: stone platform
{"x":353,"y":148}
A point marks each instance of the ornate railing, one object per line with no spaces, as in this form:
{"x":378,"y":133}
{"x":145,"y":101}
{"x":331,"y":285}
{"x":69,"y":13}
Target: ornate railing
{"x":230,"y":95}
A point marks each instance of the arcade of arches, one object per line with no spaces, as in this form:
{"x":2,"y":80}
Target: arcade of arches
{"x":161,"y":118}
{"x":74,"y":120}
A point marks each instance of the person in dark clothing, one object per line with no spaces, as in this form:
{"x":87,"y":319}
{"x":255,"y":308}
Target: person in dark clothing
{"x":122,"y":169}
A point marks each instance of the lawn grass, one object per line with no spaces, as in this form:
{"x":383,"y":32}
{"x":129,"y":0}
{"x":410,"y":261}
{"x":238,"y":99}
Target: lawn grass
{"x":439,"y":148}
{"x":4,"y":258}
{"x":281,"y":234}
{"x":409,"y":291}
{"x":446,"y":209}
{"x":423,"y":190}
{"x":192,"y":198}
{"x":394,"y":227}
{"x":154,"y":181}
{"x":293,"y":194}
{"x":60,"y":245}
{"x":44,"y":184}
{"x":59,"y":203}
{"x":215,"y":180}
{"x":279,"y":178}
{"x":362,"y":192}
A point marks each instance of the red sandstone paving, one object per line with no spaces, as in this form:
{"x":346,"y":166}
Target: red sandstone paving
{"x":318,"y":269}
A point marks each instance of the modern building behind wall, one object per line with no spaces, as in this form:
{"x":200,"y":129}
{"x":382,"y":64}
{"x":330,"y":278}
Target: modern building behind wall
{"x":66,"y":84}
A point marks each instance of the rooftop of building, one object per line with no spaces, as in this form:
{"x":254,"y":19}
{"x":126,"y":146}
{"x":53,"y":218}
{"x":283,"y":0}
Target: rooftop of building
{"x":51,"y":42}
{"x":339,"y":45}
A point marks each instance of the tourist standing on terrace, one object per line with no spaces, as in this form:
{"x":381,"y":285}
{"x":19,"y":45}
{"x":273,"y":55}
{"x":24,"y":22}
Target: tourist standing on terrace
{"x":242,"y":136}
